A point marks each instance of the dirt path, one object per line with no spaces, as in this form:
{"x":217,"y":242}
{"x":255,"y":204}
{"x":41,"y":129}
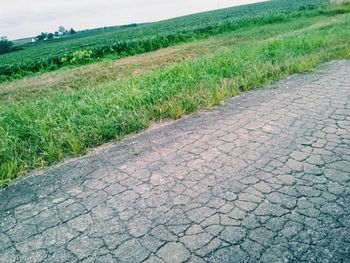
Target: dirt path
{"x":264,"y":178}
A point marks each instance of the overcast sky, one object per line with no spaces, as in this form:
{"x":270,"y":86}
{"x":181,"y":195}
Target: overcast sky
{"x":24,"y":18}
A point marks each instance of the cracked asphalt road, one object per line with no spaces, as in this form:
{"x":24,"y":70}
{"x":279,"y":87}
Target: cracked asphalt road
{"x":264,"y":178}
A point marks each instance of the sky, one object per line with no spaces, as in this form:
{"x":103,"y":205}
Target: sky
{"x":26,"y":18}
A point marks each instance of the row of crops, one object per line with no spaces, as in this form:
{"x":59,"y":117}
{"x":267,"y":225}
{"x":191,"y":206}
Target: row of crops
{"x":148,"y":37}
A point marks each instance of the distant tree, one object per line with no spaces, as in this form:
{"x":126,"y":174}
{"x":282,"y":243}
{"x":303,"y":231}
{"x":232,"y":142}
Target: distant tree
{"x":50,"y":36}
{"x":41,"y":37}
{"x":72,"y":31}
{"x":56,"y":34}
{"x":62,"y":30}
{"x":6,"y":45}
{"x":130,"y":25}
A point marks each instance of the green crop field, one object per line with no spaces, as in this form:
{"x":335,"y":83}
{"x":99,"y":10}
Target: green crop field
{"x":54,"y":115}
{"x":120,"y":42}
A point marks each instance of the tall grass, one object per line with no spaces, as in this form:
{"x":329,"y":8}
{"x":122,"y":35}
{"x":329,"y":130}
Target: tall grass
{"x":40,"y":131}
{"x":108,"y":71}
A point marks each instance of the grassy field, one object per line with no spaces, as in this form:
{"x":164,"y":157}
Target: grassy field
{"x":120,"y":42}
{"x":47,"y":118}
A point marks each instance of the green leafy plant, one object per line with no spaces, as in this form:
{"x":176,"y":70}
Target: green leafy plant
{"x":78,"y":57}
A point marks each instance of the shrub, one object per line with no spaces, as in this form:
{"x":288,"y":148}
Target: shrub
{"x":78,"y":57}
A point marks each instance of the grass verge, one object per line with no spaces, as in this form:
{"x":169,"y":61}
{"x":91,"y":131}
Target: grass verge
{"x":41,"y":130}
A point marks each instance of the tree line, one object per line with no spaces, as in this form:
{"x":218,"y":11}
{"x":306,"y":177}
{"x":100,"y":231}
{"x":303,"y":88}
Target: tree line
{"x":57,"y":34}
{"x":7,"y":46}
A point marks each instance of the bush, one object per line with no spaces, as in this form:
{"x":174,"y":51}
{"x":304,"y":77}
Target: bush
{"x":78,"y":57}
{"x":6,"y":46}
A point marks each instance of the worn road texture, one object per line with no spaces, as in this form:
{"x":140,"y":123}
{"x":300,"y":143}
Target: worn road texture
{"x":264,"y":178}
